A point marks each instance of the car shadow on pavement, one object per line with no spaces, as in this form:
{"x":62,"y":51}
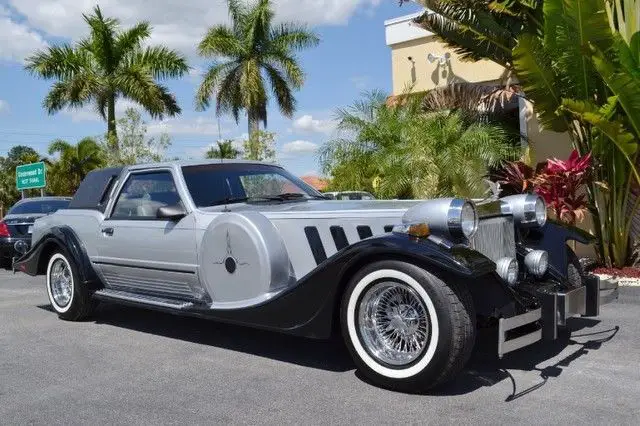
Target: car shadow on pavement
{"x":484,"y":368}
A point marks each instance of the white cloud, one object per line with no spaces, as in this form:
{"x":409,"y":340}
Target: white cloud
{"x":206,"y":126}
{"x":17,"y":40}
{"x":4,"y":106}
{"x":299,"y":147}
{"x":179,"y":24}
{"x":307,"y":123}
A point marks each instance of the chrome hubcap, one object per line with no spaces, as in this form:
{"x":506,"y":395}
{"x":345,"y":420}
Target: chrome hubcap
{"x":393,"y":323}
{"x":61,"y":283}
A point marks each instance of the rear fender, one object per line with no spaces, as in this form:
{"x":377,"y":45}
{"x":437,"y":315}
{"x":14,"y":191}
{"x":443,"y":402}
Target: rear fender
{"x":34,"y":262}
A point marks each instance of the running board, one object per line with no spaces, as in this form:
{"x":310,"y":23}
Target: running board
{"x":141,"y":299}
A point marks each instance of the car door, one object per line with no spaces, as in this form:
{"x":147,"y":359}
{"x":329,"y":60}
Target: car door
{"x":139,"y":252}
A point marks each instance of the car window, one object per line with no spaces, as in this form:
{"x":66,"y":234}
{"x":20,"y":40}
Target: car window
{"x":38,"y":207}
{"x":211,"y":185}
{"x":268,"y":185}
{"x":144,"y":193}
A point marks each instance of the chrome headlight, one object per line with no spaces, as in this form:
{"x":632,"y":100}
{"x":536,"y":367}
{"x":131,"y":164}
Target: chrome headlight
{"x":507,"y":269}
{"x":537,"y":262}
{"x":528,"y":210}
{"x":462,"y":218}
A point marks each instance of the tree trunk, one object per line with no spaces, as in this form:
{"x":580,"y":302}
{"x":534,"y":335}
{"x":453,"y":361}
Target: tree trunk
{"x":254,"y":123}
{"x":112,"y":135}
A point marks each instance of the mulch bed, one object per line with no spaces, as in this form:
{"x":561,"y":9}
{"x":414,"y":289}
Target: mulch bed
{"x":626,"y":272}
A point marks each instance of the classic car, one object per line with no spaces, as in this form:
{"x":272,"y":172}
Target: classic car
{"x":15,"y":227}
{"x":248,"y":243}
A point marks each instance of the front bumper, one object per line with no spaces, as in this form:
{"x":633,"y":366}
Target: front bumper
{"x":555,"y":308}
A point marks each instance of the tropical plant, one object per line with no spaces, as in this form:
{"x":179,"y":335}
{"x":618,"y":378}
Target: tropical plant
{"x":516,"y":177}
{"x":107,"y":65}
{"x":562,"y":185}
{"x":223,"y":149}
{"x":135,"y":146}
{"x":260,"y":146}
{"x":73,"y":164}
{"x":400,"y":152}
{"x":254,"y":49}
{"x":577,"y":62}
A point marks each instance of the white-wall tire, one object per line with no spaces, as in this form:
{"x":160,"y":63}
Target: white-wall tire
{"x":70,"y":300}
{"x":437,"y":355}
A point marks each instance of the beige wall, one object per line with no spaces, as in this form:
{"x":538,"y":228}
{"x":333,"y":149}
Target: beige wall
{"x":427,"y":75}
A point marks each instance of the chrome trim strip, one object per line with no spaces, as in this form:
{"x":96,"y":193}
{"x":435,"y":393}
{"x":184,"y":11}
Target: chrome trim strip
{"x":571,"y":303}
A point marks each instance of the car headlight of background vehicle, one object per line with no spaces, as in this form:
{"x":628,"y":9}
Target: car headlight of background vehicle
{"x":528,"y":210}
{"x":453,"y":218}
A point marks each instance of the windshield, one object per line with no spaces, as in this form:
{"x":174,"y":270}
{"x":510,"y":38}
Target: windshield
{"x":215,"y":184}
{"x":39,"y":207}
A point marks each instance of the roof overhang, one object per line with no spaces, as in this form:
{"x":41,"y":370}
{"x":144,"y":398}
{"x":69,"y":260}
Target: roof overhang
{"x":403,"y":29}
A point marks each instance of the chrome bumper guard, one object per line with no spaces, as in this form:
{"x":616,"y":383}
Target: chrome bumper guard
{"x":555,"y":308}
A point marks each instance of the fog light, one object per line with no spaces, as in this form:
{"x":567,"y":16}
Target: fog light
{"x":507,"y":269}
{"x":537,"y":262}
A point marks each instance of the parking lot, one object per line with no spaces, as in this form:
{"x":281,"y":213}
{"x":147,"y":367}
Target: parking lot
{"x":134,"y":366}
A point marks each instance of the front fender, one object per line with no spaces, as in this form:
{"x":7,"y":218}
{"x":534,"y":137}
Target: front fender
{"x":59,"y":237}
{"x":553,"y":238}
{"x":309,"y":307}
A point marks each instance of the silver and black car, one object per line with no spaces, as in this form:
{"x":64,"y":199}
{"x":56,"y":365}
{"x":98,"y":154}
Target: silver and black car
{"x":16,"y":226}
{"x":403,"y":282}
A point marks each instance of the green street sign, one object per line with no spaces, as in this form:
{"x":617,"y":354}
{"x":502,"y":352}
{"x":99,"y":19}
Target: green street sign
{"x":30,"y":176}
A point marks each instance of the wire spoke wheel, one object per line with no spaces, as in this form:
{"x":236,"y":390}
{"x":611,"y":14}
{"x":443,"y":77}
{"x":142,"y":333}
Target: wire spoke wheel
{"x":393,"y":323}
{"x":61,"y":283}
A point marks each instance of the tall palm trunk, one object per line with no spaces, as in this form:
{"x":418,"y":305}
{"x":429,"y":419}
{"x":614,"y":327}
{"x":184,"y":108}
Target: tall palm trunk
{"x":112,"y":134}
{"x":254,"y":123}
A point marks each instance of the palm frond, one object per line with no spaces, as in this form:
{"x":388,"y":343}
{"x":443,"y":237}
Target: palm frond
{"x":220,"y":41}
{"x":281,"y":91}
{"x":131,"y":40}
{"x":212,"y":78}
{"x":160,"y":61}
{"x":59,"y":62}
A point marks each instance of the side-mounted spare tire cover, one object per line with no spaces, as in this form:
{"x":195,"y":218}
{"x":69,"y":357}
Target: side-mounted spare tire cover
{"x":243,"y":257}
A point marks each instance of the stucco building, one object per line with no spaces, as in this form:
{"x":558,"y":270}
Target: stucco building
{"x":420,"y":61}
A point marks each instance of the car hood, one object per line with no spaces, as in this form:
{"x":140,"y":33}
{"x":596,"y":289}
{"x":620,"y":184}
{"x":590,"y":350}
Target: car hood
{"x":320,"y":206}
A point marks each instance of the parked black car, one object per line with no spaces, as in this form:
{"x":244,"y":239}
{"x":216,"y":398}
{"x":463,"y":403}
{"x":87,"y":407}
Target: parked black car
{"x":15,"y":227}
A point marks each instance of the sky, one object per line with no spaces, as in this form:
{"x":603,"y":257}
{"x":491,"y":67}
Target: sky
{"x":351,"y":58}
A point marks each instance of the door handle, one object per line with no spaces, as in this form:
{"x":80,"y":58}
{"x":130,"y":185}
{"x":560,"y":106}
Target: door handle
{"x":107,"y":232}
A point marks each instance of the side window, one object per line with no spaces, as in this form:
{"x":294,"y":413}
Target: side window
{"x":143,"y":194}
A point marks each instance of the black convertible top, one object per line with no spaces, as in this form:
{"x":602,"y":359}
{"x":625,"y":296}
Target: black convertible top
{"x":94,"y":189}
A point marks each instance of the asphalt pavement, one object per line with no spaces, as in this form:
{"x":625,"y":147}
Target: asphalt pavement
{"x":132,"y":366}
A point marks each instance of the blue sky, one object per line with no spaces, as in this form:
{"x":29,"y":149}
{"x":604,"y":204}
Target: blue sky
{"x":352,"y":57}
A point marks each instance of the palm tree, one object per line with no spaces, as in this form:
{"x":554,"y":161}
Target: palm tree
{"x":255,"y":50}
{"x":225,"y":149}
{"x":74,"y":163}
{"x":107,"y":65}
{"x":401,"y":152}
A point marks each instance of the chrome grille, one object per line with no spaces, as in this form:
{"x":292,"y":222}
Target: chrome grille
{"x":495,"y":237}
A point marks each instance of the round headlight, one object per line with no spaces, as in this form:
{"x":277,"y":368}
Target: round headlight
{"x":541,"y":211}
{"x":462,"y":218}
{"x":469,"y":220}
{"x":537,"y":262}
{"x":507,"y":269}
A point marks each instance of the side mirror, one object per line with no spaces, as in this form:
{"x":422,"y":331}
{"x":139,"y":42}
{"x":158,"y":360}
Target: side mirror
{"x":174,"y":212}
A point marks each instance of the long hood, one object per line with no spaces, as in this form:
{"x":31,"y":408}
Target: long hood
{"x":324,"y":206}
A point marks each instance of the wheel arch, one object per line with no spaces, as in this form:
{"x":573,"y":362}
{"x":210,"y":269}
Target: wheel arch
{"x":351,"y":269}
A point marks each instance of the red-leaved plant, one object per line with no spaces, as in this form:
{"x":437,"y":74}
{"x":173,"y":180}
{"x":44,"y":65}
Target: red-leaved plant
{"x":560,"y":183}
